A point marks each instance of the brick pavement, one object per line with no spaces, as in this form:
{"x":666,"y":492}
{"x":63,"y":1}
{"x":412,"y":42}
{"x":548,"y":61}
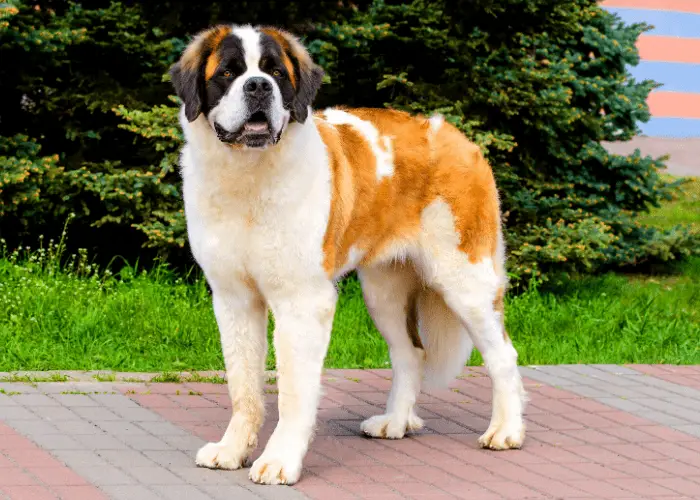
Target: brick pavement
{"x":595,"y":431}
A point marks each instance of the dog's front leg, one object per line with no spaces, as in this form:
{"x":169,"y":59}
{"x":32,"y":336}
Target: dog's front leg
{"x":242,"y":320}
{"x":303,"y":322}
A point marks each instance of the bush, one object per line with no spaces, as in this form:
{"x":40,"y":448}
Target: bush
{"x":537,"y":83}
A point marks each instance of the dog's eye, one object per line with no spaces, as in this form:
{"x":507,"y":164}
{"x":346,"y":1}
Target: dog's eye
{"x":228,"y":74}
{"x":276,"y":73}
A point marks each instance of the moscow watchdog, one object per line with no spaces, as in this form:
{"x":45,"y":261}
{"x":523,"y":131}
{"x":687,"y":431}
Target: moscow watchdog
{"x":282,"y":201}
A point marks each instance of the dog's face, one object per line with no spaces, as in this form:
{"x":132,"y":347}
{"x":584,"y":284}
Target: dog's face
{"x":248,"y":82}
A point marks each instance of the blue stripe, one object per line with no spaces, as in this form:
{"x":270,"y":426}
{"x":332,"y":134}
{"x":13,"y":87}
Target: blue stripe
{"x":666,"y":23}
{"x":671,"y":127}
{"x":675,"y":77}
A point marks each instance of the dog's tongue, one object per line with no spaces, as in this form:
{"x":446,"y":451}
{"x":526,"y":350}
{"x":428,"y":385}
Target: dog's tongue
{"x":256,"y":126}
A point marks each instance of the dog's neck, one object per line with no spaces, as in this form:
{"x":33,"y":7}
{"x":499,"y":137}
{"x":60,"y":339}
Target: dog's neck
{"x":294,"y":162}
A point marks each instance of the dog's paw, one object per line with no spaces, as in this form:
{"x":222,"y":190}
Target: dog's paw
{"x":221,"y":456}
{"x":275,"y":470}
{"x":391,"y":426}
{"x":503,"y":436}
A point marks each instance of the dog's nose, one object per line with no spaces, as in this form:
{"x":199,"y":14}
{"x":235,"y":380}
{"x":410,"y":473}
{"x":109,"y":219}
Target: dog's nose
{"x":257,"y":87}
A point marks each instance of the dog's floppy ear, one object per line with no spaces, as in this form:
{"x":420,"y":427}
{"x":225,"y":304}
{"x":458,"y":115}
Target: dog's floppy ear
{"x":307,"y":75}
{"x":187,"y":74}
{"x":310,"y":78}
{"x":189,"y":88}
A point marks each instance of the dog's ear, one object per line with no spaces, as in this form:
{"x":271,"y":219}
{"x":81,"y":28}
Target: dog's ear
{"x":189,"y":88}
{"x":310,"y":79}
{"x":187,"y":74}
{"x":307,"y":75}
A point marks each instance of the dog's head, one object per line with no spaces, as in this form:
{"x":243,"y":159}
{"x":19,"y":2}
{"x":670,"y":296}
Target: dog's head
{"x":249,"y":82}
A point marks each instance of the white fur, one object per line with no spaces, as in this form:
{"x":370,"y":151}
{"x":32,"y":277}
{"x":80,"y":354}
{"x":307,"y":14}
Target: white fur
{"x":382,"y":146}
{"x":231,"y":112}
{"x":436,"y":122}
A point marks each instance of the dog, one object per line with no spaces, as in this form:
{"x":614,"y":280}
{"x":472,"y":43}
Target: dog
{"x":281,"y":202}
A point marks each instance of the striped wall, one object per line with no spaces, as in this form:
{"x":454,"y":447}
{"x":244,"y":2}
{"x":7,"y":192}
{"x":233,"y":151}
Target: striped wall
{"x":670,"y":54}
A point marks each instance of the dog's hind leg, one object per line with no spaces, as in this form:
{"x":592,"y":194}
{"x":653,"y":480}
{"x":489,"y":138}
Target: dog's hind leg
{"x":391,"y":293}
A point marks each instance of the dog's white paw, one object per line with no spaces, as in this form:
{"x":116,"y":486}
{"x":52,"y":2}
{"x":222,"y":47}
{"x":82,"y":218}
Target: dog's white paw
{"x":222,"y":456}
{"x":269,"y":469}
{"x":503,"y":435}
{"x":391,"y":426}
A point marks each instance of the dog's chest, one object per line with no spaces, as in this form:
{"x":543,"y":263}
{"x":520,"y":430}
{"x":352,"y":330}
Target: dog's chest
{"x":240,"y":229}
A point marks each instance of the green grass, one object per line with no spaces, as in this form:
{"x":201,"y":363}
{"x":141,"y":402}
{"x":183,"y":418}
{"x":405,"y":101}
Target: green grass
{"x":684,"y":209}
{"x":73,"y":317}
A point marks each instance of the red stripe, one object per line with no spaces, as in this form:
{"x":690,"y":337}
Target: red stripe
{"x":674,"y":104}
{"x":669,"y":49}
{"x":692,"y":6}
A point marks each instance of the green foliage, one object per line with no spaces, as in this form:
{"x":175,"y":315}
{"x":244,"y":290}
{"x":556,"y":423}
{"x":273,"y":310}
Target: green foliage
{"x":538,"y":84}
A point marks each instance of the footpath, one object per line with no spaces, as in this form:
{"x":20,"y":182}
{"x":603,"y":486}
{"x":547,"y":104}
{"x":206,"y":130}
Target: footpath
{"x":594,"y":431}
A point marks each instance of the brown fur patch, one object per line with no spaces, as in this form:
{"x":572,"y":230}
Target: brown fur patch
{"x":284,"y":40}
{"x":205,"y":43}
{"x":499,"y":307}
{"x":427,"y":164}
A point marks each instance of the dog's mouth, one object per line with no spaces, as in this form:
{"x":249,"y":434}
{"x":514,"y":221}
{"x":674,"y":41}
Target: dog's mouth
{"x":257,"y":124}
{"x":256,"y":132}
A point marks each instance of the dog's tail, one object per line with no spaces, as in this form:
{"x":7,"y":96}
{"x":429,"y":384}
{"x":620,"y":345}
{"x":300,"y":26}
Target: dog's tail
{"x":446,"y":342}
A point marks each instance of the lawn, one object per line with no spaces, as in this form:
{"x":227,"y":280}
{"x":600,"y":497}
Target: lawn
{"x":58,"y":318}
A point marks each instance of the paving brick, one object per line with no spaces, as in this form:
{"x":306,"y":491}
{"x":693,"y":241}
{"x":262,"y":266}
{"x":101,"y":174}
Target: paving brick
{"x":79,"y":458}
{"x":73,"y":427}
{"x":72,"y":400}
{"x":136,"y":414}
{"x":639,"y":469}
{"x":634,"y":452}
{"x":100,"y":442}
{"x":56,"y":442}
{"x":79,"y":493}
{"x":199,"y":475}
{"x":33,"y":492}
{"x":144,"y":442}
{"x":693,"y":429}
{"x":600,"y":489}
{"x":511,"y":490}
{"x":59,"y":476}
{"x":125,"y":456}
{"x":34,"y":427}
{"x":679,"y":485}
{"x":22,"y":388}
{"x":30,"y":457}
{"x":10,"y":413}
{"x":555,"y":471}
{"x":95,"y":413}
{"x":216,"y":492}
{"x":55,"y":414}
{"x":113,"y":401}
{"x":161,"y":428}
{"x":131,"y":492}
{"x":153,"y":475}
{"x":170,"y":458}
{"x":105,"y":476}
{"x":596,"y":471}
{"x":641,"y":486}
{"x":35,"y":400}
{"x":180,"y":492}
{"x":14,"y":476}
{"x":185,"y":443}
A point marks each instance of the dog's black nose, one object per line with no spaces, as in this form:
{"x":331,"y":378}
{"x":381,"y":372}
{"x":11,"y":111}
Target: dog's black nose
{"x":258,"y":87}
